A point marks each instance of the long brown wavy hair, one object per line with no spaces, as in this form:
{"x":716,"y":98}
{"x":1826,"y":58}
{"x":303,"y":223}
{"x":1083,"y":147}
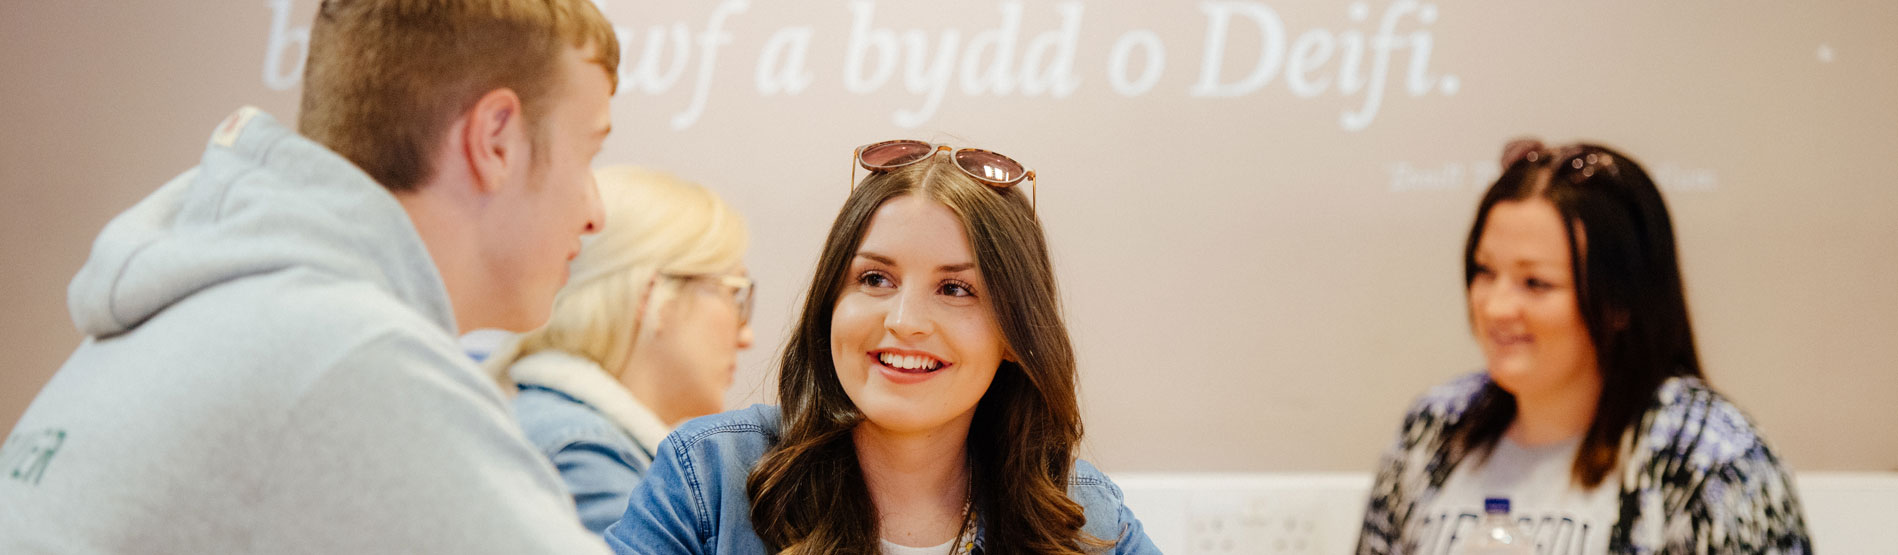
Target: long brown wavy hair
{"x":808,"y":494}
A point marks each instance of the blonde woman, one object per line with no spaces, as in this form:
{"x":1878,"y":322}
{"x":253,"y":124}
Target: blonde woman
{"x":643,"y":337}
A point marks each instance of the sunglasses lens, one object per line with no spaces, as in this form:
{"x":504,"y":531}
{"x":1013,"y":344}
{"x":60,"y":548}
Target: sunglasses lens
{"x":894,"y":153}
{"x":989,"y":166}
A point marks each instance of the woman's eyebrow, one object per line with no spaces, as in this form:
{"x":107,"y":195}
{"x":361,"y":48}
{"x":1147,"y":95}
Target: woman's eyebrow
{"x":946,"y":268}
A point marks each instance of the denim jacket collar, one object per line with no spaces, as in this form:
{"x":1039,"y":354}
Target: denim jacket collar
{"x":586,"y":382}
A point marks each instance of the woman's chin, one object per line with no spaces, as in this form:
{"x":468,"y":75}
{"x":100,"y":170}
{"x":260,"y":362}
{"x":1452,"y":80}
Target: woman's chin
{"x":1510,"y":377}
{"x":903,"y":419}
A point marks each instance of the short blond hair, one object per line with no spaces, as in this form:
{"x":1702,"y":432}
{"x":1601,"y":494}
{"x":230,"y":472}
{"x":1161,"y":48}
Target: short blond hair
{"x":385,"y":78}
{"x":655,"y":224}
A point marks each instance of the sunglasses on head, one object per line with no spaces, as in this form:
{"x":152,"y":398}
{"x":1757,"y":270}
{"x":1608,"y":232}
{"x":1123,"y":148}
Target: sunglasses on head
{"x":990,"y":168}
{"x":1576,"y":162}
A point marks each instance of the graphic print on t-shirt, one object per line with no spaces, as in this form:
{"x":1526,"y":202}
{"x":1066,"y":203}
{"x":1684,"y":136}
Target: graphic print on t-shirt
{"x":1444,"y":533}
{"x":1546,"y":504}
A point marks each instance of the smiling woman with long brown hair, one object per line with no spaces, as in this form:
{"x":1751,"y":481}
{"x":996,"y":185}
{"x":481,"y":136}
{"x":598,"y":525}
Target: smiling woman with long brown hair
{"x":927,"y":393}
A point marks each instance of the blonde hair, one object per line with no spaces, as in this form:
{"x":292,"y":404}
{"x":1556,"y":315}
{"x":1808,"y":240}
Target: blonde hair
{"x":385,"y":78}
{"x":655,"y":224}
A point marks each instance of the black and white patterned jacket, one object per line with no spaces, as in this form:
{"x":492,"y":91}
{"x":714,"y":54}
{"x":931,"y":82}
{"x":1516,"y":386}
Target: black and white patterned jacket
{"x":1695,"y":477}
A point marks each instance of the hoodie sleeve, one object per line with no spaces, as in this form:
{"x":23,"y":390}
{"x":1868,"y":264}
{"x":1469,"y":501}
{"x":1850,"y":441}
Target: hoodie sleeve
{"x":404,"y":447}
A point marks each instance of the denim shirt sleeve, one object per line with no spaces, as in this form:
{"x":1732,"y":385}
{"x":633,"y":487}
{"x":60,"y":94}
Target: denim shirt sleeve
{"x":662,"y":516}
{"x":1133,"y":536}
{"x":1108,"y":517}
{"x":693,"y":500}
{"x":600,"y":478}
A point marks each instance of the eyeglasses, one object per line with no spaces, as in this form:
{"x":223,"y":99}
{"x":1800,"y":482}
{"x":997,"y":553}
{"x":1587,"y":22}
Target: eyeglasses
{"x":741,"y":286}
{"x":991,"y":168}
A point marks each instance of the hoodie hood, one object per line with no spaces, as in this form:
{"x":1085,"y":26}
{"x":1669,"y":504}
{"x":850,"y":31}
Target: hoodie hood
{"x":262,"y":200}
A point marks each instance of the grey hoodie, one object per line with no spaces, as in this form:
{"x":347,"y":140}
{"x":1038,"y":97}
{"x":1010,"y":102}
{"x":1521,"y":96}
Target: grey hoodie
{"x":271,"y":367}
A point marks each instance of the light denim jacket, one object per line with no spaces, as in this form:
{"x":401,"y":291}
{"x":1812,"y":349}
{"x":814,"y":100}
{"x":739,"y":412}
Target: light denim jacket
{"x":693,"y":499}
{"x":595,"y":432}
{"x":600,"y":462}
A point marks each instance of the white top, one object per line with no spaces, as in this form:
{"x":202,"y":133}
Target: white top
{"x":1544,"y":501}
{"x":947,"y":548}
{"x":958,"y":545}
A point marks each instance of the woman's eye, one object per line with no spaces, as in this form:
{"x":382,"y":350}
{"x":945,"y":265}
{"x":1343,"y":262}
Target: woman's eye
{"x":955,"y":289}
{"x":1535,"y":284}
{"x":874,"y":278}
{"x":1482,"y":270}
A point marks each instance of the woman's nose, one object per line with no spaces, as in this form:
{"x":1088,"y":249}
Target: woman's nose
{"x":908,"y":315}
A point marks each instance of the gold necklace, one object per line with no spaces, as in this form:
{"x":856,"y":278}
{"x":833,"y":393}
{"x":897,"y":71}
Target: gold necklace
{"x":965,"y":537}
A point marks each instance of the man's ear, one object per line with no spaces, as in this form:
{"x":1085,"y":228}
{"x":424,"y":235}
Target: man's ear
{"x":495,"y":138}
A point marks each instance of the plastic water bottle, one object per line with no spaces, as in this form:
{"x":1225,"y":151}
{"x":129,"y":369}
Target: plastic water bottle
{"x":1498,"y":534}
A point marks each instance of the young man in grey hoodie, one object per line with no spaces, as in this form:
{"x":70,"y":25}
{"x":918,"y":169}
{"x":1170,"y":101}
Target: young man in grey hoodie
{"x":271,"y":362}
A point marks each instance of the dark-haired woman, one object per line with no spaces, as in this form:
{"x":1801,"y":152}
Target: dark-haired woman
{"x":927,"y":400}
{"x":1592,"y":417}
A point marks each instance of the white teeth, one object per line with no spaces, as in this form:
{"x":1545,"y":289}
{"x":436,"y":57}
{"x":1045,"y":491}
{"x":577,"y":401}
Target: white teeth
{"x":909,"y":362}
